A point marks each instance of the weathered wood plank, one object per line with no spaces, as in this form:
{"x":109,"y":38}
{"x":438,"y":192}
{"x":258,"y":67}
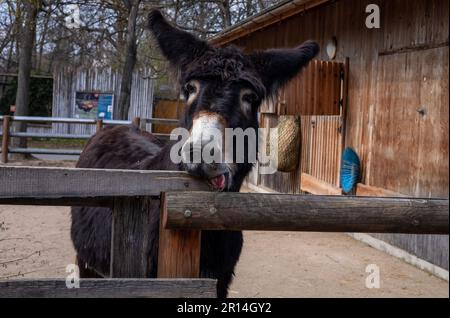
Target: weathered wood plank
{"x":312,"y":185}
{"x":66,"y":186}
{"x":284,"y":212}
{"x":179,"y":250}
{"x":5,"y":139}
{"x":102,"y":288}
{"x":61,"y":201}
{"x":369,"y":191}
{"x":98,"y":125}
{"x":133,"y":245}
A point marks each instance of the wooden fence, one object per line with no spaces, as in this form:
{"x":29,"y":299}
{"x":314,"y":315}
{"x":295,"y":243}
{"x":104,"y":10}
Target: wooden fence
{"x":186,"y":209}
{"x":7,"y":133}
{"x":68,"y":81}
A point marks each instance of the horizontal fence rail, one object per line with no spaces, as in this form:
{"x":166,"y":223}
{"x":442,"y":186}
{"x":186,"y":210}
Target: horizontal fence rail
{"x":33,"y":119}
{"x":75,"y":186}
{"x":109,"y":288}
{"x":48,"y":135}
{"x":284,"y":212}
{"x":164,"y":121}
{"x":46,"y":151}
{"x":6,"y":134}
{"x":63,"y":120}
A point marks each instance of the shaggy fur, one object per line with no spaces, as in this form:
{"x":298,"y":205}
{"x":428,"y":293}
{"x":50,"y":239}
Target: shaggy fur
{"x":223,"y":73}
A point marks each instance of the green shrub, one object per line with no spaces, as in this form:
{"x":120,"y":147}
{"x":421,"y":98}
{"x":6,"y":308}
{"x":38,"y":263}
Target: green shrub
{"x":41,"y":90}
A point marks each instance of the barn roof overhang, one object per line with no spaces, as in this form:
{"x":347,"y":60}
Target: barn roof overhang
{"x":265,"y":18}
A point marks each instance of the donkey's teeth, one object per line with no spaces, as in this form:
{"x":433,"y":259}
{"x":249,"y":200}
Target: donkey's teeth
{"x":218,"y":182}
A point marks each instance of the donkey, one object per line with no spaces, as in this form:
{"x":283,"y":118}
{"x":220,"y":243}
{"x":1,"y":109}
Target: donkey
{"x":223,"y":88}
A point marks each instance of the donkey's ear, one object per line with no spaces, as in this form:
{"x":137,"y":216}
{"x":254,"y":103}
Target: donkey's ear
{"x":179,"y":47}
{"x":278,"y":66}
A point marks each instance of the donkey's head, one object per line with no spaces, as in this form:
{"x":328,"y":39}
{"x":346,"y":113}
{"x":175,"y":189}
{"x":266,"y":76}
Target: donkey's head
{"x":223,"y":88}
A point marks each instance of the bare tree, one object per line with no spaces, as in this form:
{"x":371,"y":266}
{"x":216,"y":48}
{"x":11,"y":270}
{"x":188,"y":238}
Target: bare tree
{"x":111,"y":34}
{"x":130,"y":59}
{"x":26,"y":40}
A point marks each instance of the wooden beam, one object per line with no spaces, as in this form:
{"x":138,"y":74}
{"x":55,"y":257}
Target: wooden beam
{"x":70,"y":186}
{"x":60,"y":201}
{"x":371,"y":191}
{"x":179,"y":250}
{"x":165,"y":121}
{"x":136,"y":122}
{"x":344,"y":106}
{"x":285,"y":212}
{"x":98,"y":125}
{"x":133,"y":243}
{"x":312,"y":185}
{"x":109,"y":288}
{"x":414,"y":48}
{"x":5,"y":139}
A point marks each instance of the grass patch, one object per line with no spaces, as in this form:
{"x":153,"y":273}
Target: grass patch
{"x":56,"y":143}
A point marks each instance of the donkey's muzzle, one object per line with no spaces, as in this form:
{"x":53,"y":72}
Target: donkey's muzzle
{"x":217,"y":174}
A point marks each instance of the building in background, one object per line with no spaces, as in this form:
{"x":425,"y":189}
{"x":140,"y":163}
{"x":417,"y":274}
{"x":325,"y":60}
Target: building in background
{"x":93,"y":93}
{"x":381,"y":91}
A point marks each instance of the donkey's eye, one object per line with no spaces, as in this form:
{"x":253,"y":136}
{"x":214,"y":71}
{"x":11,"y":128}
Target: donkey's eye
{"x":190,"y":88}
{"x":250,"y":97}
{"x":248,"y":100}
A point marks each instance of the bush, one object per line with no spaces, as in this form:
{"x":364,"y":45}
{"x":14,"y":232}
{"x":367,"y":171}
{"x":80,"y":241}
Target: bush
{"x":41,"y":90}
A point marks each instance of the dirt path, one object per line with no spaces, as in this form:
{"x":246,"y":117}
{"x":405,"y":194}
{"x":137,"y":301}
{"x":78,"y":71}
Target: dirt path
{"x":35,"y":242}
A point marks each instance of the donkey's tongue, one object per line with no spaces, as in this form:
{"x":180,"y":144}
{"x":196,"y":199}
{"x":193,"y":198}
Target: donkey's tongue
{"x":218,"y":183}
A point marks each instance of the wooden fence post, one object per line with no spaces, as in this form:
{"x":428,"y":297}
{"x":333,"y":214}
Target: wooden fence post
{"x":132,"y":237}
{"x":137,"y":122}
{"x":5,"y":139}
{"x":179,"y":250}
{"x":98,"y":125}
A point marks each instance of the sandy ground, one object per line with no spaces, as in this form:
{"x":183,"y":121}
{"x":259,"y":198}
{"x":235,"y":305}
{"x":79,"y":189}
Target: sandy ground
{"x":35,"y":242}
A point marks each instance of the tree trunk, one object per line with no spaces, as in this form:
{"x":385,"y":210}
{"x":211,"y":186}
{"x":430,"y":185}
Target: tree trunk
{"x":129,"y":63}
{"x":42,"y":42}
{"x":224,"y":6}
{"x":10,"y":54}
{"x":248,"y":8}
{"x":26,"y":38}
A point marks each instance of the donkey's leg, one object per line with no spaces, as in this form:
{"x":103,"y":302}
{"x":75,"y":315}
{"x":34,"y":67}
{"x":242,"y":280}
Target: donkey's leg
{"x":219,"y":255}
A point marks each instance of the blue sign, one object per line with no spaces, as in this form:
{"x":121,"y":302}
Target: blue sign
{"x":105,"y":106}
{"x":94,"y":105}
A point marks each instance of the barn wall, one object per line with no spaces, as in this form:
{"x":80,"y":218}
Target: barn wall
{"x":397,"y":119}
{"x":166,"y":108}
{"x":316,"y":91}
{"x":68,"y":81}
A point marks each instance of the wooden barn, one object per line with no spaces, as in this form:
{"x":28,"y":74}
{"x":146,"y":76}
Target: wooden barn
{"x":381,"y":91}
